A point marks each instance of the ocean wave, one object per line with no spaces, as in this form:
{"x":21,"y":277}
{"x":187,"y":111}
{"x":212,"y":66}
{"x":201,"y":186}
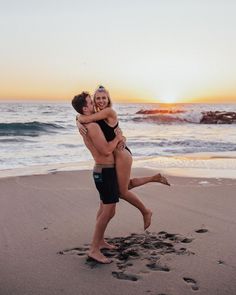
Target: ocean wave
{"x":165,"y":116}
{"x":70,"y":145}
{"x":15,"y":140}
{"x":28,"y":128}
{"x":160,"y":119}
{"x":161,"y":111}
{"x":154,"y":148}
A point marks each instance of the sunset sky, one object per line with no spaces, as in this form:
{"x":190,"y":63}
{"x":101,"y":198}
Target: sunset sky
{"x":149,"y":50}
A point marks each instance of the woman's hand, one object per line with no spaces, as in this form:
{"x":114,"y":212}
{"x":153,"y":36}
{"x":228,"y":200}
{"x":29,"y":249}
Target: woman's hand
{"x":82,"y":129}
{"x":81,"y":119}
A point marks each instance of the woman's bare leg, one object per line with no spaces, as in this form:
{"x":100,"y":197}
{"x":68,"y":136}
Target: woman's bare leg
{"x":123,"y":169}
{"x":135,"y":182}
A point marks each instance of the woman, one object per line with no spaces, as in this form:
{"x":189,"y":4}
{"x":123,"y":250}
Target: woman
{"x":106,"y":117}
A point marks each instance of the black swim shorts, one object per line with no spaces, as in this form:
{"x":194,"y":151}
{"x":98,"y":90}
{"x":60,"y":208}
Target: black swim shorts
{"x":106,"y":183}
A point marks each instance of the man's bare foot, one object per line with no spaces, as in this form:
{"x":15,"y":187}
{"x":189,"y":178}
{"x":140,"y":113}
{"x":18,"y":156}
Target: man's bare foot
{"x":105,"y":245}
{"x":99,"y":257}
{"x":159,"y":178}
{"x":147,"y":219}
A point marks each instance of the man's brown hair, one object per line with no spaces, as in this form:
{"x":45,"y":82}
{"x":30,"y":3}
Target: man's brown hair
{"x":79,"y":101}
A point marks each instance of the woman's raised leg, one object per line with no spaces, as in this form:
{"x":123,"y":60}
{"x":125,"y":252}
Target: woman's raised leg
{"x":139,"y":181}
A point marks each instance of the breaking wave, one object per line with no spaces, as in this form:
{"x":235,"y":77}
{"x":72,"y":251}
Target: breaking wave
{"x":165,"y":116}
{"x":28,"y":128}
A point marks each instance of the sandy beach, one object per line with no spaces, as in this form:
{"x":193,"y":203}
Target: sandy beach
{"x":47,"y":221}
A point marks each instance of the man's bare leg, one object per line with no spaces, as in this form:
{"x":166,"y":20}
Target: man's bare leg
{"x":139,"y":181}
{"x":108,"y":211}
{"x":100,"y":210}
{"x":104,"y":244}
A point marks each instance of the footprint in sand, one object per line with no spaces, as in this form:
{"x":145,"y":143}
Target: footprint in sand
{"x":186,"y":240}
{"x":148,"y":246}
{"x":201,"y":230}
{"x":174,"y":237}
{"x":192,"y":282}
{"x":123,"y":266}
{"x":124,"y":276}
{"x":158,"y":267}
{"x":92,"y":263}
{"x":80,"y":251}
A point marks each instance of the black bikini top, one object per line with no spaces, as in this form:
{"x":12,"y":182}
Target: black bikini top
{"x":107,"y":130}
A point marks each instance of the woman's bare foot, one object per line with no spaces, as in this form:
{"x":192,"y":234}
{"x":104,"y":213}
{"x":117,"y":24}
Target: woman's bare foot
{"x":159,"y":178}
{"x":105,"y":245}
{"x":147,"y":219}
{"x":98,"y":257}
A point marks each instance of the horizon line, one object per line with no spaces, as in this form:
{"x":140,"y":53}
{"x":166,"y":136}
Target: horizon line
{"x":114,"y":101}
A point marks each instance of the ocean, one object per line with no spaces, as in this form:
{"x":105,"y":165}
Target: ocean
{"x":34,"y":135}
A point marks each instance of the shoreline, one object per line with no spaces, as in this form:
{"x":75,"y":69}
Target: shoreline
{"x":203,"y":165}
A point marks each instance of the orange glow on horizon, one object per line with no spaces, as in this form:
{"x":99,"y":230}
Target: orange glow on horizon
{"x":117,"y":95}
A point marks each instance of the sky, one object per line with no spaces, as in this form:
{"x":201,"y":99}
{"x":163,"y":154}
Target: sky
{"x":142,"y":51}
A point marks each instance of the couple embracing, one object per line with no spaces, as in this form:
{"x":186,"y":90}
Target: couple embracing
{"x":98,"y":124}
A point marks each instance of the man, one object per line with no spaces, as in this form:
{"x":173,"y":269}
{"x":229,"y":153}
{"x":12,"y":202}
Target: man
{"x":104,"y":175}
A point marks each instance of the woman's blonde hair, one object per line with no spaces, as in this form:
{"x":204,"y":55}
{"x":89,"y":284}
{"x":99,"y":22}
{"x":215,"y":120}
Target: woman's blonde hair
{"x":102,"y":89}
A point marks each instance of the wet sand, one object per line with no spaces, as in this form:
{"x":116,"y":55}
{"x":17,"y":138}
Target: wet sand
{"x":47,"y":221}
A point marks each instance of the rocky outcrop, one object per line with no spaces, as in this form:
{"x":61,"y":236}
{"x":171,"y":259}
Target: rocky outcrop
{"x":218,"y":117}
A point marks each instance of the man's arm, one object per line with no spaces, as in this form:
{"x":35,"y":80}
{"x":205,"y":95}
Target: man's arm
{"x":99,"y":141}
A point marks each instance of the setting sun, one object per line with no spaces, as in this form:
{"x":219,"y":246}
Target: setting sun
{"x":168,"y":99}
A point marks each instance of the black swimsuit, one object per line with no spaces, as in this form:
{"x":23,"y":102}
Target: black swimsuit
{"x":109,"y":132}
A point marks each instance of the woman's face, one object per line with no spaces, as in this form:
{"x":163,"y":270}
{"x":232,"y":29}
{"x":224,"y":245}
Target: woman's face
{"x":101,"y":100}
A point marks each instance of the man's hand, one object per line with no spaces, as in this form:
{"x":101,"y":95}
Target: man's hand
{"x":118,"y":130}
{"x":82,"y":129}
{"x":120,"y":137}
{"x":118,"y":133}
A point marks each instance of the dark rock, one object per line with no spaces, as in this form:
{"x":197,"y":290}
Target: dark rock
{"x":218,"y":117}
